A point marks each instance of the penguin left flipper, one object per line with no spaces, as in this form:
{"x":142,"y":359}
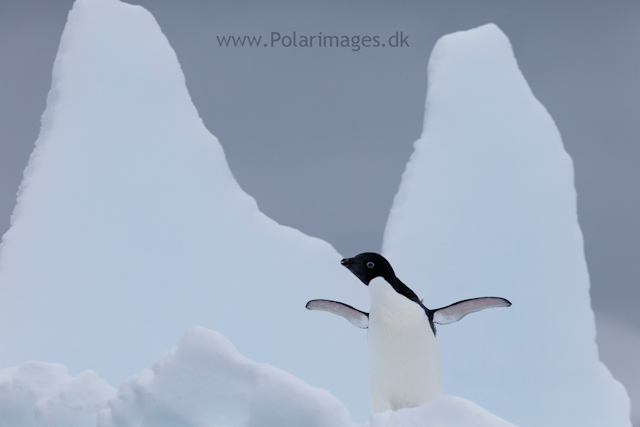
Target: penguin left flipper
{"x":353,"y":315}
{"x":456,"y":311}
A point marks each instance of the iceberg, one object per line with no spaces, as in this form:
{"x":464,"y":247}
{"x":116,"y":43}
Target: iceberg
{"x":487,"y":206}
{"x":130,"y":228}
{"x":619,"y":345}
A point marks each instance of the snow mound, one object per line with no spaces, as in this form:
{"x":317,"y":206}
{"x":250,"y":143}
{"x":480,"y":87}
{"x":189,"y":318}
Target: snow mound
{"x":38,"y":394}
{"x":445,"y":411}
{"x":487,"y":207}
{"x":203,"y":380}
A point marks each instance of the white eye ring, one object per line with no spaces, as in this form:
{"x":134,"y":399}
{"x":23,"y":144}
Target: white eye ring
{"x":370,"y":264}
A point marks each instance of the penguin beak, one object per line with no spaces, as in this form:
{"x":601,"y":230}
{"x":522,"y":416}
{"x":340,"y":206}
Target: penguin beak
{"x":356,"y":268}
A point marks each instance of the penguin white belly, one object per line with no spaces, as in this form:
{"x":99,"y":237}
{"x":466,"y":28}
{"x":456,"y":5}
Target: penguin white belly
{"x":403,"y":355}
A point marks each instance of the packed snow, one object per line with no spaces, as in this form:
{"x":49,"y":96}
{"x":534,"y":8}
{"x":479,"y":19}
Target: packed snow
{"x":445,"y":411}
{"x":39,"y":394}
{"x":201,"y":381}
{"x":130,"y":229}
{"x":487,"y":207}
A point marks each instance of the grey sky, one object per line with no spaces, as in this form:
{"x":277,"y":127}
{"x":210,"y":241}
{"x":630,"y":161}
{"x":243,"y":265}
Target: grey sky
{"x":320,"y":136}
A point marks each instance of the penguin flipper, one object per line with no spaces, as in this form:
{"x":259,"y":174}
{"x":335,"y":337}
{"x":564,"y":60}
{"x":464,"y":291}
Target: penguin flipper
{"x":456,"y":311}
{"x":353,"y":315}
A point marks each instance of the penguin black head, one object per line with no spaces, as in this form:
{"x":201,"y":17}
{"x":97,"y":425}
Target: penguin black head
{"x":368,"y":265}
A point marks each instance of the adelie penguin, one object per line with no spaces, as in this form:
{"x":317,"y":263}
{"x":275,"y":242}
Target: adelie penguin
{"x":403,"y":355}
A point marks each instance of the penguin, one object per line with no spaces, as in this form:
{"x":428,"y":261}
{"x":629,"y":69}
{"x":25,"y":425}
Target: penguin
{"x":403,"y":357}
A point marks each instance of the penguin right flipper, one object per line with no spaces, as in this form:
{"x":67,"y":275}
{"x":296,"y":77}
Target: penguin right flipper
{"x":353,"y":315}
{"x":456,"y":311}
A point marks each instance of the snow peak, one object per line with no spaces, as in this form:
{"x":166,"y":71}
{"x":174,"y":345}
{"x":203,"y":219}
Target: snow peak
{"x":319,"y":40}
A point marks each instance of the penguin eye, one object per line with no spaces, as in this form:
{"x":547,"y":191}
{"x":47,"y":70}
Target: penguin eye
{"x":370,"y":264}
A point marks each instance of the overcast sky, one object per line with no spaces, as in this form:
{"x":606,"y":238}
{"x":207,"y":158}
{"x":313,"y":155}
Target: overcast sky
{"x":320,"y":136}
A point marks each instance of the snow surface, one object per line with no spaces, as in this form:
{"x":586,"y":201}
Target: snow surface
{"x":202,"y":381}
{"x":39,"y":394}
{"x":445,"y":411}
{"x":487,"y":207}
{"x":130,"y":228}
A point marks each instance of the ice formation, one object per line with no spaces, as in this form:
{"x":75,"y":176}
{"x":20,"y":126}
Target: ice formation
{"x":611,"y":333}
{"x":130,"y":228}
{"x":487,"y":206}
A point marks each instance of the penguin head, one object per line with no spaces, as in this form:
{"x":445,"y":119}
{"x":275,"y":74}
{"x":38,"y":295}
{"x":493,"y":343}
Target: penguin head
{"x":368,"y":265}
